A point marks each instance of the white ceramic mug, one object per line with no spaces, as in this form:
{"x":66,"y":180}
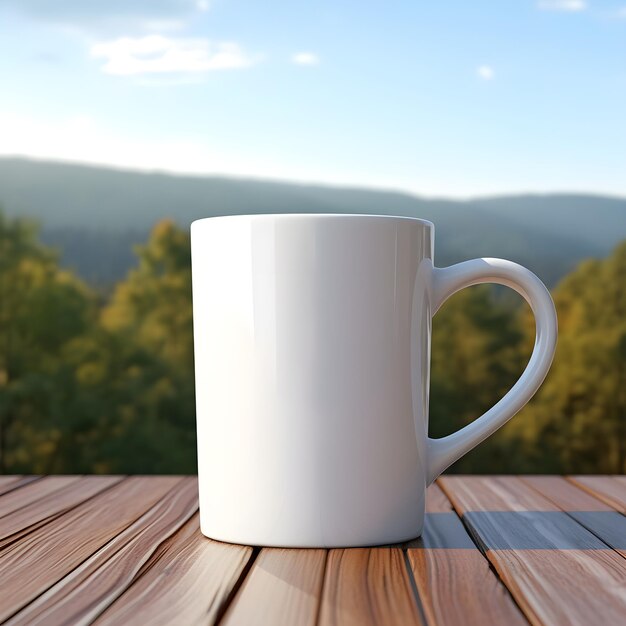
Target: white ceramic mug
{"x":312,"y":357}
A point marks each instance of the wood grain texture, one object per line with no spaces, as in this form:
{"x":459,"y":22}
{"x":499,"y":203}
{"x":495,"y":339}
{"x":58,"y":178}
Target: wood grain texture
{"x":602,"y":520}
{"x":44,"y":488}
{"x":10,"y":483}
{"x":557,"y":571}
{"x":117,"y":551}
{"x":7,"y":480}
{"x":39,"y":559}
{"x":455,"y":583}
{"x":36,"y":512}
{"x":85,"y":592}
{"x":367,"y":586}
{"x":187,"y":581}
{"x":609,"y":489}
{"x":283,"y":587}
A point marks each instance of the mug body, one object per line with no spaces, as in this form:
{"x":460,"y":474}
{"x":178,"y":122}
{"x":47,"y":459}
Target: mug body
{"x":312,"y":350}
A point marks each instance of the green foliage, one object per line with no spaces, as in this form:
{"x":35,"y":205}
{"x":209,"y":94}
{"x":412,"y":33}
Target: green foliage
{"x":84,"y":390}
{"x":477,"y":355}
{"x":87,"y":386}
{"x":577,"y":422}
{"x":128,"y":413}
{"x":42,"y":309}
{"x":154,"y":303}
{"x":151,"y":310}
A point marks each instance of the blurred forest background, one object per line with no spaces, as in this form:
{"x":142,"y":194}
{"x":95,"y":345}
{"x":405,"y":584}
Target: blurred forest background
{"x":96,"y":354}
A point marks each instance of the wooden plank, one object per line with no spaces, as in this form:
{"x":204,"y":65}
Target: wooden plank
{"x":557,"y":571}
{"x":367,"y":586}
{"x":596,"y":516}
{"x":33,"y":564}
{"x":610,"y":489}
{"x":85,"y":592}
{"x":10,"y":483}
{"x":283,"y":587}
{"x":38,"y":508}
{"x":7,"y":480}
{"x":30,"y":493}
{"x":454,"y":581}
{"x":187,"y":581}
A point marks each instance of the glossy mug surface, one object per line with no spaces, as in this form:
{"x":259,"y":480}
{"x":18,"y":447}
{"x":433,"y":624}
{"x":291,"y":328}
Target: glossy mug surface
{"x":312,"y":354}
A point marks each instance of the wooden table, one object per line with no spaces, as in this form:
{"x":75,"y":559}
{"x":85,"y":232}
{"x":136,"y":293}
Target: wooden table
{"x":496,"y":550}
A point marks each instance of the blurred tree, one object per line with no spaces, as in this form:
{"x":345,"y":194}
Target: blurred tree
{"x":42,"y":308}
{"x":151,"y":310}
{"x":154,"y":302}
{"x":92,"y":388}
{"x":477,"y":355}
{"x":577,"y":422}
{"x":89,"y":391}
{"x":122,"y":417}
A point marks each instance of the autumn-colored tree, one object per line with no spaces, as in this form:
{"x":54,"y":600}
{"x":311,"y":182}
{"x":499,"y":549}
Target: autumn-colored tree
{"x":153,"y":304}
{"x":84,"y":391}
{"x":151,"y":310}
{"x":477,"y":355}
{"x":577,"y":422}
{"x":89,"y":388}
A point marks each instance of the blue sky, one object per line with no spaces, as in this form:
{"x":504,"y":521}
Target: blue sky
{"x":443,"y":99}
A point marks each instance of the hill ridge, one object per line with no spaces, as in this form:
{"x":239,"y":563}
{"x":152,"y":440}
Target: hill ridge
{"x":96,"y":213}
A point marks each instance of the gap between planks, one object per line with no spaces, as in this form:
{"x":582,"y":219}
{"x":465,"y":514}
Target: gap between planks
{"x":9,"y":483}
{"x":455,"y":581}
{"x":90,"y":588}
{"x":55,"y":549}
{"x":189,"y":579}
{"x":609,"y":489}
{"x":35,"y":510}
{"x":131,"y":573}
{"x":388,"y":584}
{"x":425,"y":612}
{"x":604,"y":521}
{"x":531,"y":543}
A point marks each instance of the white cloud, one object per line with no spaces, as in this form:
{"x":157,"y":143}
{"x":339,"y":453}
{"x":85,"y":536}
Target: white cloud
{"x":569,"y":6}
{"x":305,"y":58}
{"x":203,"y":5}
{"x":485,"y":72}
{"x":155,"y":54}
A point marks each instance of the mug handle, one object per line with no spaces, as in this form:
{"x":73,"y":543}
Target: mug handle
{"x":446,"y":281}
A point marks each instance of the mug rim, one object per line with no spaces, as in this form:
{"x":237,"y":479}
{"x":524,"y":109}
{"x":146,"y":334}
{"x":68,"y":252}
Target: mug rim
{"x":313,"y":215}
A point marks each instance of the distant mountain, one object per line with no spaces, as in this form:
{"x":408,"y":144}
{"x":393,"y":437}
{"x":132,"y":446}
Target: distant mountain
{"x":96,"y":214}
